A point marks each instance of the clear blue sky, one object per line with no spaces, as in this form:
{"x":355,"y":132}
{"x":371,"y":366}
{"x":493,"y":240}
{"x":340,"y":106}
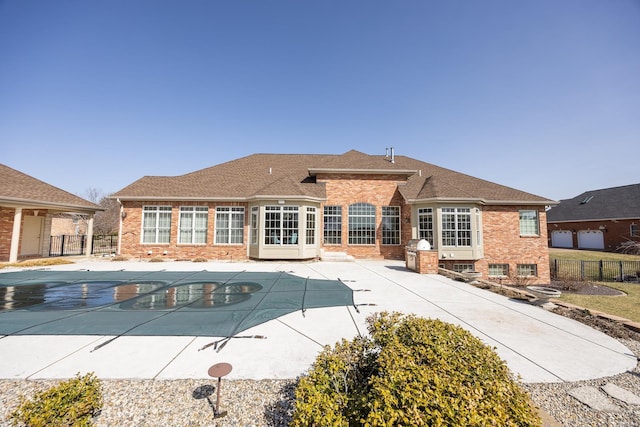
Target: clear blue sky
{"x":540,"y":95}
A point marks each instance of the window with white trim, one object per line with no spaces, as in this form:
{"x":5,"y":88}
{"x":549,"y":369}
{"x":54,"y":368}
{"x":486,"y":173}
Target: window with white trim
{"x":229,"y":225}
{"x":391,"y":225}
{"x":633,"y":230}
{"x":460,"y":268}
{"x":529,"y":225}
{"x":527,"y":270}
{"x":498,"y":270}
{"x":156,"y":224}
{"x":310,"y":231}
{"x":281,"y":225}
{"x":254,"y":225}
{"x":362,"y":224}
{"x":456,"y":227}
{"x":425,"y":224}
{"x":193,"y":225}
{"x":332,"y":225}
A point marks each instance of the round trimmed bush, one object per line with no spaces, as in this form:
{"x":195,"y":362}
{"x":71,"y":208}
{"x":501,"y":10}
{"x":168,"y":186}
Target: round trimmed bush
{"x":411,"y":371}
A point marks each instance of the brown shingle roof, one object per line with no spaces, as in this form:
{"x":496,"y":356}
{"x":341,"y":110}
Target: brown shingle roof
{"x":19,"y":188}
{"x":273,"y":175}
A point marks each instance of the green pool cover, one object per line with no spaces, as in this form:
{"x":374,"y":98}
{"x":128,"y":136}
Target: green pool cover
{"x":201,"y":303}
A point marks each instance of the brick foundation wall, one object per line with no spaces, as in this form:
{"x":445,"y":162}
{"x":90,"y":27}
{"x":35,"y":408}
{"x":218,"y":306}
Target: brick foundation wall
{"x":131,"y":245}
{"x":504,"y":245}
{"x":378,"y":190}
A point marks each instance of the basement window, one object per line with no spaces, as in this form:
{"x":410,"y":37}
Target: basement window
{"x":527,"y":270}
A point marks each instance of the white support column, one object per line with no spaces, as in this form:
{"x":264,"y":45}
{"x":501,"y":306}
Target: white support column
{"x":89,"y":245}
{"x":15,"y":235}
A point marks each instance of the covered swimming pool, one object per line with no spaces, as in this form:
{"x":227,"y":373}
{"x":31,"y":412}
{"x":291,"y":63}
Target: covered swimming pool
{"x":156,"y":303}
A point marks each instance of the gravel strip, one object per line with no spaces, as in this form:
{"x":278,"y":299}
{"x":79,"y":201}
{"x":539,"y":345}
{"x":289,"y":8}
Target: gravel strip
{"x":269,"y":402}
{"x":568,"y":411}
{"x":172,"y":403}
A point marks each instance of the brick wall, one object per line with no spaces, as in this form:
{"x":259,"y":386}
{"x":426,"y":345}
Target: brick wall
{"x":378,"y":190}
{"x":6,"y":228}
{"x":132,"y":230}
{"x":614,"y":232}
{"x":65,"y":225}
{"x":504,"y":245}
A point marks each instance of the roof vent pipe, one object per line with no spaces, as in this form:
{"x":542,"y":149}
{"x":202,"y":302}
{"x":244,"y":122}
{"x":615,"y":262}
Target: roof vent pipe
{"x":386,"y":152}
{"x":269,"y":171}
{"x":393,"y":157}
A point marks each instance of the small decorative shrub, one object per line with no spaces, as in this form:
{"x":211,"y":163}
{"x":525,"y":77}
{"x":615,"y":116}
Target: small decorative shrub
{"x":411,"y":372}
{"x":200,"y":259}
{"x":156,"y":259}
{"x":71,"y":403}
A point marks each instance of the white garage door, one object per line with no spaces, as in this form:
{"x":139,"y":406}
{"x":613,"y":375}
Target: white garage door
{"x":590,"y":239}
{"x":562,"y":239}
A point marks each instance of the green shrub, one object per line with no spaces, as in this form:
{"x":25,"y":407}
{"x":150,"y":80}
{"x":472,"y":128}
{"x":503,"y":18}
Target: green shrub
{"x":411,"y":372}
{"x":71,"y":403}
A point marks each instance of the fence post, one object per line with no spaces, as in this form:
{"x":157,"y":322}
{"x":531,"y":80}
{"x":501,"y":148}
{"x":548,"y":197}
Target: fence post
{"x":582,"y":271}
{"x":600,"y":271}
{"x":62,"y":245}
{"x":621,"y":271}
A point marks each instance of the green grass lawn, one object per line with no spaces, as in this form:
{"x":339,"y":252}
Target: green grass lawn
{"x":627,"y":306}
{"x":581,"y":255}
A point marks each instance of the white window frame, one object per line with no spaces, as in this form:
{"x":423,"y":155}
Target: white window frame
{"x":229,"y":225}
{"x":310,"y":230}
{"x":281,"y":225}
{"x":332,"y":234}
{"x":362,"y":224}
{"x":255,"y":211}
{"x":390,"y":225}
{"x":633,"y":230}
{"x":529,"y":222}
{"x":425,"y":224}
{"x":456,"y":227}
{"x":196,"y":228}
{"x":155,"y":227}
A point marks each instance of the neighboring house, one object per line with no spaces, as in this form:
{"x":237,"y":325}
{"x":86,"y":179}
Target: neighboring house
{"x":305,"y":206}
{"x":599,"y":219}
{"x":69,"y":225}
{"x":27,"y":206}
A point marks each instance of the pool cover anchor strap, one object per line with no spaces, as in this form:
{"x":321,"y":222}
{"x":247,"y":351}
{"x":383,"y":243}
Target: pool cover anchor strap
{"x":304,"y":294}
{"x":363,"y":305}
{"x":219,"y":344}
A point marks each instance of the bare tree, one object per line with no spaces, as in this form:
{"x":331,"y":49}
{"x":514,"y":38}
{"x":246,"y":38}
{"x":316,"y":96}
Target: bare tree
{"x":93,"y":194}
{"x":104,"y":222}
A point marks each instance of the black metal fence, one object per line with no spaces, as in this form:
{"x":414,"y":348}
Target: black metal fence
{"x":66,"y":245}
{"x":600,"y":271}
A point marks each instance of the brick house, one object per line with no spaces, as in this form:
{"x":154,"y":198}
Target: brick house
{"x":602,"y":219}
{"x":27,"y":207}
{"x":305,"y":206}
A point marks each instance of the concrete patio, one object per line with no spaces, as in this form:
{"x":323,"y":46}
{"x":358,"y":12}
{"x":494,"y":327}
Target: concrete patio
{"x":537,"y":345}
